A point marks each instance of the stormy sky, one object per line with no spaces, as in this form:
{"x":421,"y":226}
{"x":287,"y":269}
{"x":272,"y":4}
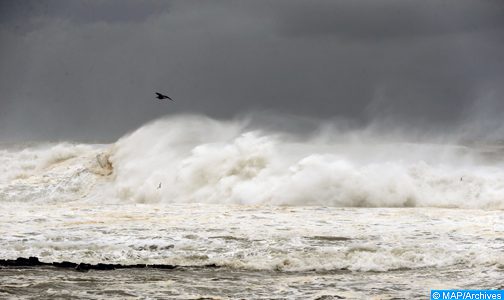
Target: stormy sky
{"x":88,"y":69}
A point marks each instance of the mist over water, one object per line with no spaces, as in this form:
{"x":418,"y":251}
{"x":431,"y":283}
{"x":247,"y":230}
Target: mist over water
{"x":196,"y":159}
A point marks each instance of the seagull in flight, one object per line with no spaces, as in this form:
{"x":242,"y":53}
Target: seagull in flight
{"x":161,"y":97}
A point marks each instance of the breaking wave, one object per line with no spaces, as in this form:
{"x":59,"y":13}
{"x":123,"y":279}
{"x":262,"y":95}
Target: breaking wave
{"x":200,"y":160}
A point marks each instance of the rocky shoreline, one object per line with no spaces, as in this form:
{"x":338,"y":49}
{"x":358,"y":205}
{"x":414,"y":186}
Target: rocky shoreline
{"x":84,"y":267}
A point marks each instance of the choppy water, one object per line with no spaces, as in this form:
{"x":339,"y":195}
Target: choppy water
{"x":282,"y":217}
{"x":266,"y":252}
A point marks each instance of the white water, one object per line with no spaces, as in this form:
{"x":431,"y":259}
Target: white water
{"x":194,"y":191}
{"x":198,"y":160}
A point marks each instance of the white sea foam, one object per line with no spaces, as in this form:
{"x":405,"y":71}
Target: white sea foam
{"x":202,"y":160}
{"x":254,"y":238}
{"x":195,"y":191}
{"x":196,"y":159}
{"x":56,"y":172}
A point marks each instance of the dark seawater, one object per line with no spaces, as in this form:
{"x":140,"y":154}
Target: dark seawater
{"x":50,"y":283}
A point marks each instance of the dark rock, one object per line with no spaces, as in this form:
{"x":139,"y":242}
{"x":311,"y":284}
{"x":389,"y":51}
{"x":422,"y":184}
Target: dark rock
{"x":82,"y":267}
{"x":34,"y":261}
{"x":103,"y":267}
{"x":21,"y":262}
{"x":137,"y":266}
{"x":6,"y":262}
{"x":65,"y":264}
{"x":31,"y":261}
{"x":169,"y":267}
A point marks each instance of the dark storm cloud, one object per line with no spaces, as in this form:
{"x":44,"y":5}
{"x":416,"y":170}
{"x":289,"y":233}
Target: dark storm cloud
{"x":370,"y":19}
{"x":22,"y":11}
{"x":88,"y":69}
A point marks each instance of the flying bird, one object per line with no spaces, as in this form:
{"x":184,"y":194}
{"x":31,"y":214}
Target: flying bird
{"x":161,"y":97}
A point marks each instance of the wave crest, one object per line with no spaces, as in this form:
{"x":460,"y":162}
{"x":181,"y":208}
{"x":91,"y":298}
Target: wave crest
{"x":195,"y":159}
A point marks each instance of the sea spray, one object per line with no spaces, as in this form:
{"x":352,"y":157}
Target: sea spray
{"x":208,"y":161}
{"x":195,"y":159}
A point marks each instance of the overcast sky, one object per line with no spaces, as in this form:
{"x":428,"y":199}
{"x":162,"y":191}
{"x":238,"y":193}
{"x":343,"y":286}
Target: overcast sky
{"x":88,"y":69}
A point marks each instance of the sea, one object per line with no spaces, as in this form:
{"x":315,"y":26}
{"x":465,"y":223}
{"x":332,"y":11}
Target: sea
{"x":248,"y":213}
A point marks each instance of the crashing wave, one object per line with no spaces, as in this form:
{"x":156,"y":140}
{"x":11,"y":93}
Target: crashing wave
{"x":197,"y":159}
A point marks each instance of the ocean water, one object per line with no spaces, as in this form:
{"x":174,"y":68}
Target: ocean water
{"x":330,"y":215}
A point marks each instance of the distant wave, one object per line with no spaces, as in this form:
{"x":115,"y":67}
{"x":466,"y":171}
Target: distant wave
{"x":201,"y":160}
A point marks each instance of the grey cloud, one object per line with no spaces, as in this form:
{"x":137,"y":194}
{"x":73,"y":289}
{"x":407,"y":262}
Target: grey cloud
{"x":94,"y":78}
{"x":376,"y":20}
{"x":17,"y":13}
